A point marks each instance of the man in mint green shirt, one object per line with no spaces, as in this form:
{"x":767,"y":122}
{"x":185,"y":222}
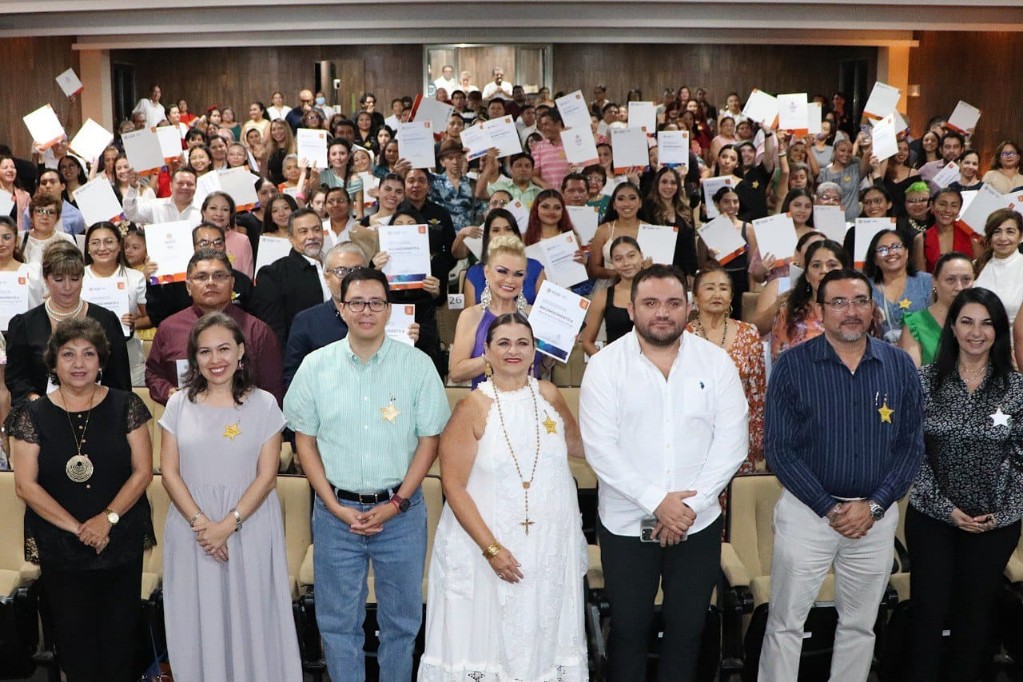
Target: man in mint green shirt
{"x":367,"y":413}
{"x":520,"y":185}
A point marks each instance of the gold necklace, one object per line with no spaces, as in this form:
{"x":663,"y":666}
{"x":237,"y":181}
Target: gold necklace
{"x":703,"y":332}
{"x":536,"y":458}
{"x":79,"y":468}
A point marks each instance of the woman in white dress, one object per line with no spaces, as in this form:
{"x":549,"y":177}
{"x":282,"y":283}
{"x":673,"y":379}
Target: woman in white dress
{"x":505,"y":597}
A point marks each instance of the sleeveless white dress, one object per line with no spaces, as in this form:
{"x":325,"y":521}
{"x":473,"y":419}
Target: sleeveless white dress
{"x":479,"y":627}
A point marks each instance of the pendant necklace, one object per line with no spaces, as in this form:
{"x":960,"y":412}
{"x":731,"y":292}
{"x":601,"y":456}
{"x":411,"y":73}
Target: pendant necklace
{"x":79,"y":468}
{"x":536,"y":458}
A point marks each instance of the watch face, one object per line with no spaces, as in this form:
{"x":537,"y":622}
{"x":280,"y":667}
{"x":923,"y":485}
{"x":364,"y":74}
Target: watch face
{"x":404,"y":505}
{"x":113,"y":517}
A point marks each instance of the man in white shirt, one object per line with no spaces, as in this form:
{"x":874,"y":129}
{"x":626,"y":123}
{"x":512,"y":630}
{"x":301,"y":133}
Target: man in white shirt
{"x":151,"y":107}
{"x":664,"y":422}
{"x":526,"y":123}
{"x":447,"y":79}
{"x":178,"y":206}
{"x":498,"y":86}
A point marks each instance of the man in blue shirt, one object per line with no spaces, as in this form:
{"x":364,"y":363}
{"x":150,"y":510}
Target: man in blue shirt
{"x":844,"y":434}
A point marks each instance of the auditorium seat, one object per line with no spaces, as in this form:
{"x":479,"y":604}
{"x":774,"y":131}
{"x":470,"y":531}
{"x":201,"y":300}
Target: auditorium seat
{"x":19,"y":632}
{"x":570,"y":373}
{"x":446,"y":321}
{"x":296,"y":500}
{"x":152,"y":560}
{"x":156,"y":409}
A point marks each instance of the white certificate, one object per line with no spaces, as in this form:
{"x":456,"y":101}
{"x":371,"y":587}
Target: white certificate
{"x":476,"y":139}
{"x":110,"y":293}
{"x":91,"y":140}
{"x":240,"y":185}
{"x":813,"y":118}
{"x":673,"y":148}
{"x":830,"y":221}
{"x":369,"y":183}
{"x":656,"y":242}
{"x":886,"y":144}
{"x":585,"y":220}
{"x":792,"y":113}
{"x":170,"y":142}
{"x":13,"y":296}
{"x":504,"y":136}
{"x":968,"y":197}
{"x":575,"y":112}
{"x":205,"y":185}
{"x":415,"y":144}
{"x":710,"y":188}
{"x":776,"y":236}
{"x":723,"y":240}
{"x":559,"y":260}
{"x":987,"y":201}
{"x":311,"y":145}
{"x":70,"y":84}
{"x":97,"y":202}
{"x":429,"y":109}
{"x":964,"y":118}
{"x":556,"y":317}
{"x":408,"y":251}
{"x":883,"y":100}
{"x":142,"y":147}
{"x":762,"y":108}
{"x":475,"y":245}
{"x":580,"y":147}
{"x":402,"y":317}
{"x":629,"y":149}
{"x":170,"y":247}
{"x":521,"y":213}
{"x":6,"y":202}
{"x":947,"y":175}
{"x":643,"y":116}
{"x":866,"y":228}
{"x":271,"y":250}
{"x":44,"y":126}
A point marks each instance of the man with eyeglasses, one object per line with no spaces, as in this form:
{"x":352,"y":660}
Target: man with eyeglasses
{"x":295,"y":116}
{"x":209,"y":279}
{"x":844,"y":435}
{"x":367,"y":413}
{"x":178,"y":206}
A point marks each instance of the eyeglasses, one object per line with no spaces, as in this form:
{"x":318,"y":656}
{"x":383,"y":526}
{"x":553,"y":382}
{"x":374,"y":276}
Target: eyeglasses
{"x":207,"y":243}
{"x":917,"y":201}
{"x":498,"y":203}
{"x":358,"y":305}
{"x":877,"y":201}
{"x":892,"y":249}
{"x":108,"y":242}
{"x":830,"y":197}
{"x":218,"y":277}
{"x":341,"y":271}
{"x":45,"y":211}
{"x":840,"y":304}
{"x":1009,"y":153}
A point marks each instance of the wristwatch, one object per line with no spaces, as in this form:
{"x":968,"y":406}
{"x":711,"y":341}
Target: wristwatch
{"x":400,"y":502}
{"x":112,"y":516}
{"x":876,"y":510}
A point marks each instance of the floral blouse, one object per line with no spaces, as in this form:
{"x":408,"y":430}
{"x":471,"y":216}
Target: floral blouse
{"x":809,"y":327}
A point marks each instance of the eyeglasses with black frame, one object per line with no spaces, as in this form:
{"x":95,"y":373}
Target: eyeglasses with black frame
{"x":890,"y":249}
{"x":377,"y":305}
{"x":343,"y":271}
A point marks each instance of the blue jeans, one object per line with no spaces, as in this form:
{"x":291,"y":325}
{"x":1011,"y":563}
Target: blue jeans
{"x":341,"y":565}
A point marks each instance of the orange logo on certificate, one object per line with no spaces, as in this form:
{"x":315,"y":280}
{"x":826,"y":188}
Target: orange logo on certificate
{"x":422,"y":229}
{"x":410,"y":310}
{"x":584,"y":303}
{"x":21,"y":281}
{"x":120,"y":285}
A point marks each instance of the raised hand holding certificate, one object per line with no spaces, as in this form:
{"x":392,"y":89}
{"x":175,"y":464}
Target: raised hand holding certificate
{"x":142,"y":147}
{"x":170,"y":247}
{"x":883,"y":100}
{"x":415,"y":144}
{"x":13,"y":296}
{"x":585,"y":221}
{"x":556,"y":317}
{"x":830,"y":221}
{"x":657,"y":242}
{"x":110,"y":293}
{"x":559,"y":259}
{"x":97,"y":202}
{"x":643,"y":115}
{"x":401,"y":318}
{"x":866,"y":228}
{"x":886,"y":145}
{"x":964,"y":118}
{"x":240,"y":185}
{"x":710,"y":188}
{"x":947,"y":175}
{"x":629,"y":149}
{"x":311,"y":145}
{"x":762,"y":108}
{"x":170,"y":142}
{"x":45,"y":127}
{"x":575,"y":113}
{"x":476,"y":140}
{"x":723,"y":240}
{"x":580,"y":147}
{"x":70,"y":84}
{"x":408,"y":251}
{"x":430,"y":110}
{"x":776,"y":235}
{"x":792,"y":113}
{"x":987,"y":201}
{"x":673,"y":148}
{"x":91,"y":140}
{"x":504,"y":136}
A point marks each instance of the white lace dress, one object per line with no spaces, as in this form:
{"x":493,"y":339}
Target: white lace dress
{"x":481,"y":628}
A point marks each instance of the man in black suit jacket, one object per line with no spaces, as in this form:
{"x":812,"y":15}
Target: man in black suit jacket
{"x":296,"y":282}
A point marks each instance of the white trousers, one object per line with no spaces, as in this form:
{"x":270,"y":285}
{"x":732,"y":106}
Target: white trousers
{"x":805,"y":548}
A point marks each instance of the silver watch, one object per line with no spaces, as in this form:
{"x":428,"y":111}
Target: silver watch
{"x":876,"y":510}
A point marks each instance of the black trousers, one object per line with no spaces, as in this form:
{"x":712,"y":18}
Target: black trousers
{"x":96,"y":620}
{"x":954,"y":576}
{"x":633,"y":570}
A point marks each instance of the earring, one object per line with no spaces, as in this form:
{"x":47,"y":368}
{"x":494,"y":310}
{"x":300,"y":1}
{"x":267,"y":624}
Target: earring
{"x":99,"y":377}
{"x":488,"y":369}
{"x":521,"y":303}
{"x":486,"y":296}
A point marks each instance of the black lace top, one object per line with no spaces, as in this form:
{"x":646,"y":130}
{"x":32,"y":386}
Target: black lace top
{"x":106,"y":443}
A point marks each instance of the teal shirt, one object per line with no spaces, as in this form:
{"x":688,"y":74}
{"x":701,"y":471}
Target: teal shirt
{"x":526,"y":196}
{"x":338,"y":399}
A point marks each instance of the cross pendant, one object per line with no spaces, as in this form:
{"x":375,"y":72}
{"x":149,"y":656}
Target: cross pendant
{"x":526,"y":524}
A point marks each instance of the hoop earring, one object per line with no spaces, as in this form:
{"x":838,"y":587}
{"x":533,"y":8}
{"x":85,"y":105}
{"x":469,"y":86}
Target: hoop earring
{"x":486,"y":296}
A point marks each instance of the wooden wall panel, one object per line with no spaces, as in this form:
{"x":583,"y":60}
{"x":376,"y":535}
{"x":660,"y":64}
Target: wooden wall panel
{"x":30,"y":67}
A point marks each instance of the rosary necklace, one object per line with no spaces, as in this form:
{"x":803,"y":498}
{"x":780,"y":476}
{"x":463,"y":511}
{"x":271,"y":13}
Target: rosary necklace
{"x":536,"y":458}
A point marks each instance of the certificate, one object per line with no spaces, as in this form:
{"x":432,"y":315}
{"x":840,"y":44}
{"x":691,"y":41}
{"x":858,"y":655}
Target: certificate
{"x":521,"y":213}
{"x":776,"y":236}
{"x":559,"y":260}
{"x":475,"y":245}
{"x":964,"y":118}
{"x":580,"y":147}
{"x":968,"y":196}
{"x":656,"y":242}
{"x":629,"y":149}
{"x":430,"y":110}
{"x":408,"y":250}
{"x":44,"y":126}
{"x":585,"y":220}
{"x":883,"y":100}
{"x":643,"y":116}
{"x":91,"y":140}
{"x":6,"y":203}
{"x":271,"y":250}
{"x":987,"y":201}
{"x":170,"y":247}
{"x":369,"y":183}
{"x":710,"y":188}
{"x":476,"y":140}
{"x":575,"y":112}
{"x":402,"y":317}
{"x":673,"y":148}
{"x":830,"y":221}
{"x":556,"y":317}
{"x":142,"y":147}
{"x":110,"y":293}
{"x":13,"y":296}
{"x":170,"y":142}
{"x":205,"y":185}
{"x":762,"y":108}
{"x":415,"y":144}
{"x":240,"y":185}
{"x":723,"y":240}
{"x":947,"y":175}
{"x":98,"y":203}
{"x":792,"y":113}
{"x":504,"y":136}
{"x":70,"y":84}
{"x":311,"y":145}
{"x":866,"y":228}
{"x":813,"y":118}
{"x":886,"y":144}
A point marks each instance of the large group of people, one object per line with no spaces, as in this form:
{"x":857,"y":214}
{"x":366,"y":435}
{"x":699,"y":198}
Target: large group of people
{"x":838,"y":380}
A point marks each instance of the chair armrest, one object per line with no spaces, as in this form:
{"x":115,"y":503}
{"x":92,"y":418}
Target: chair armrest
{"x":735,"y":571}
{"x":305,"y":571}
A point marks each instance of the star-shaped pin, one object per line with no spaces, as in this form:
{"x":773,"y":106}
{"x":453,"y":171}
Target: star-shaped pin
{"x":550,"y":424}
{"x":905,"y":303}
{"x":389,"y":412}
{"x":232,"y":430}
{"x":755,"y":184}
{"x":886,"y":413}
{"x":999,"y":418}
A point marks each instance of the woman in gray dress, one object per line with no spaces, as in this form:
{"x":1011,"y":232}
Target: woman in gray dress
{"x":228,"y":605}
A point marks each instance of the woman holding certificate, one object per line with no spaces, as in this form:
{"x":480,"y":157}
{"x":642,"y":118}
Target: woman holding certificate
{"x":727,"y":202}
{"x":667,"y":204}
{"x":548,"y":218}
{"x":516,"y":612}
{"x":612,"y":307}
{"x":12,"y":261}
{"x":621,"y":220}
{"x":948,"y":233}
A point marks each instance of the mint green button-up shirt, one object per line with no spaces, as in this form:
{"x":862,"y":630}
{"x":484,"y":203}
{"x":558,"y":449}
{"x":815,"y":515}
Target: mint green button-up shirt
{"x":344,"y":403}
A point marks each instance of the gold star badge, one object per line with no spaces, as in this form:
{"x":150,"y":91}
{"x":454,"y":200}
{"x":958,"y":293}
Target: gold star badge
{"x":389,"y":412}
{"x":755,"y":184}
{"x":905,"y":303}
{"x":885,"y":412}
{"x":550,"y":424}
{"x":232,"y":430}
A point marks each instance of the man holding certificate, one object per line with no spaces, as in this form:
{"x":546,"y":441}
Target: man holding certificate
{"x":551,"y":166}
{"x":178,"y":206}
